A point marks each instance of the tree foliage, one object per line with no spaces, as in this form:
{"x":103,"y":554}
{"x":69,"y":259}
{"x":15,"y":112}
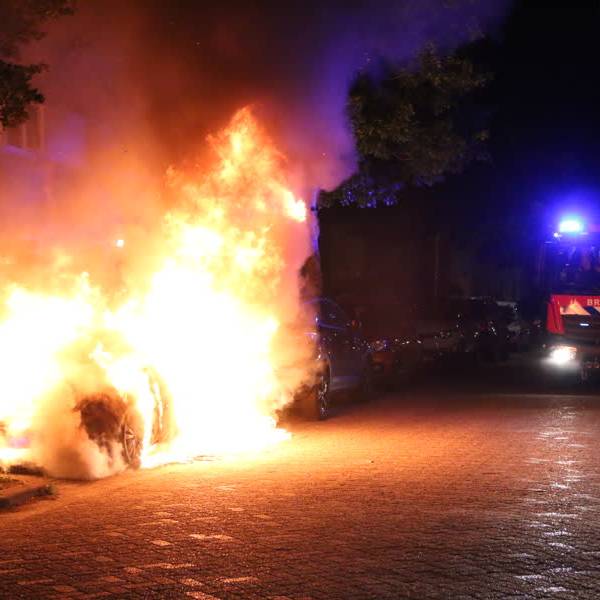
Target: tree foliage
{"x":21,"y":22}
{"x":412,"y":126}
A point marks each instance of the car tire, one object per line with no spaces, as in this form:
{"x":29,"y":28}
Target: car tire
{"x":132,"y":439}
{"x":317,"y":401}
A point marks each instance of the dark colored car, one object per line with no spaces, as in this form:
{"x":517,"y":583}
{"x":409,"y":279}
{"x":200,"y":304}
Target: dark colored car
{"x":473,"y":328}
{"x":483,"y":326}
{"x":343,"y":359}
{"x":519,"y":330}
{"x":441,"y":336}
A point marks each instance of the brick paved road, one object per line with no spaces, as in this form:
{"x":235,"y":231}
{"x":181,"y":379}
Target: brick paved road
{"x":420,"y":494}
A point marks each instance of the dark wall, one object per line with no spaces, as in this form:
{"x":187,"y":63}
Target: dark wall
{"x":404,"y":255}
{"x":379,"y":256}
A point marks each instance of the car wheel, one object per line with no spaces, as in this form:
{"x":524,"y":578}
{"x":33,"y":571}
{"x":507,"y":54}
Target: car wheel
{"x":322,"y":394}
{"x":132,"y":440}
{"x":316,"y":401}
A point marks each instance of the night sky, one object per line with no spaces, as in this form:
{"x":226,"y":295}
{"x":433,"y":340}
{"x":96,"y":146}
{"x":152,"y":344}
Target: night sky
{"x":545,"y":147}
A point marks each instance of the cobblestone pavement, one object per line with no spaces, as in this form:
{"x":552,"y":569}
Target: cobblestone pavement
{"x":413,"y":496}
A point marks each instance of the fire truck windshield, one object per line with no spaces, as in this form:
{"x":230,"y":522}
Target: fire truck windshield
{"x":573,"y":267}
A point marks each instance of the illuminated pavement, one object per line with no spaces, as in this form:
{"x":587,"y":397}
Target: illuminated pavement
{"x":434,"y":492}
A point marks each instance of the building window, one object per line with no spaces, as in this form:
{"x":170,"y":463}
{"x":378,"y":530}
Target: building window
{"x":28,"y":135}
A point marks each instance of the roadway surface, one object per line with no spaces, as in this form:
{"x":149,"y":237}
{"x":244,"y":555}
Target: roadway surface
{"x":459,"y":487}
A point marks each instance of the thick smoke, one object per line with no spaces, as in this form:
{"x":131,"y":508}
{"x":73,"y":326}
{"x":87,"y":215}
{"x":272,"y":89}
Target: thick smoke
{"x":294,"y":60}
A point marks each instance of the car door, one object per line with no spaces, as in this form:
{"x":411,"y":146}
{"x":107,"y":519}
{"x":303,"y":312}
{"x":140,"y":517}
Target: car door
{"x":331,"y":332}
{"x":344,"y":360}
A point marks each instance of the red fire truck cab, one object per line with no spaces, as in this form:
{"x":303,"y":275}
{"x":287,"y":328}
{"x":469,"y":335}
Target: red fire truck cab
{"x":571,"y":278}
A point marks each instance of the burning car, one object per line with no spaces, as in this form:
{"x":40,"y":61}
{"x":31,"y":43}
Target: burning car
{"x":113,"y":420}
{"x":133,"y":356}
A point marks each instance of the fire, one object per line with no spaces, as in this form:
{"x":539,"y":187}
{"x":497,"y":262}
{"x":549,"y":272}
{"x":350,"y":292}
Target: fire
{"x":190,"y":352}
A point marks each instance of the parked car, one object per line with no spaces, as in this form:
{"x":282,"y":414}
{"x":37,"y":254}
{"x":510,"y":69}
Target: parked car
{"x":483,"y":326}
{"x":342,"y":356}
{"x":441,"y":336}
{"x":519,"y":330}
{"x":464,"y":328}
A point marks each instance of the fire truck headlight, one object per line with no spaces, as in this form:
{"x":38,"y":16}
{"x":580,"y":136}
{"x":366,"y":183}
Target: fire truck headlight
{"x":563,"y":355}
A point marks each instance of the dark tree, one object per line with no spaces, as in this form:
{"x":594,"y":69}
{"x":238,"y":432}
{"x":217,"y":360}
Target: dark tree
{"x":413,"y":119}
{"x":412,"y":126}
{"x":21,"y":22}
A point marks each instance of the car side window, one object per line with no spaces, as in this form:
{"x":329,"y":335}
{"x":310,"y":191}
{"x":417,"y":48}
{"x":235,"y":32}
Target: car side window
{"x":326,"y":315}
{"x":332,"y":314}
{"x":342,"y":317}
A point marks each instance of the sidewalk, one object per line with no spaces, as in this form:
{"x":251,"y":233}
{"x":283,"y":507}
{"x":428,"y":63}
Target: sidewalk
{"x":16,"y":490}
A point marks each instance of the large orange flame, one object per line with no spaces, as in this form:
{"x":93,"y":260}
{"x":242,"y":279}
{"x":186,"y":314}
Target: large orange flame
{"x":193,"y":340}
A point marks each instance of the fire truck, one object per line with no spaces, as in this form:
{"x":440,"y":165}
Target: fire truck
{"x":570,"y":278}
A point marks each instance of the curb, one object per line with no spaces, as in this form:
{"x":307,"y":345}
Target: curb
{"x":17,"y":495}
